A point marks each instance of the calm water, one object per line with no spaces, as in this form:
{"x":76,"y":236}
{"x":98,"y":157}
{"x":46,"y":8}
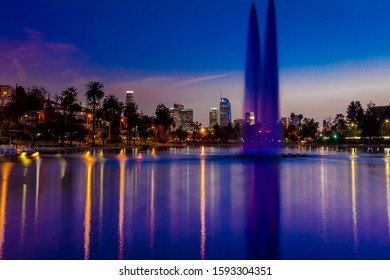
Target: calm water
{"x":195,"y":204}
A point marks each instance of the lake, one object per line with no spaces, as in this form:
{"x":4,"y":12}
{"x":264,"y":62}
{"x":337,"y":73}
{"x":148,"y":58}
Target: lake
{"x":196,"y":203}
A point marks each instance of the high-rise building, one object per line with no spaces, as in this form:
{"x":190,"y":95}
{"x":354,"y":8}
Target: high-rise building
{"x":129,"y":97}
{"x":186,"y":119}
{"x":239,"y":123}
{"x":225,"y":114}
{"x":249,"y":118}
{"x":213,"y":117}
{"x":175,"y":114}
{"x":178,"y":106}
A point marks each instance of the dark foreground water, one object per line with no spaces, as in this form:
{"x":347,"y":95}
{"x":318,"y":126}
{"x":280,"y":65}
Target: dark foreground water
{"x":195,"y":204}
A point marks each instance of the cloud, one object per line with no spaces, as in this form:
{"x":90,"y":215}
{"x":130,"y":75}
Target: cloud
{"x":21,"y":72}
{"x":34,"y":35}
{"x":192,"y":81}
{"x":198,"y":91}
{"x":60,"y":47}
{"x":36,"y":60}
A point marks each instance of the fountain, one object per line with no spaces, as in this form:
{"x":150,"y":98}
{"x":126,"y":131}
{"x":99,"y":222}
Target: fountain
{"x":261,"y":138}
{"x":261,"y":103}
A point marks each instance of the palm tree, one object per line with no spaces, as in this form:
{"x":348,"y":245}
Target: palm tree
{"x":67,"y":98}
{"x":163,"y":120}
{"x":111,"y":107}
{"x":94,"y":93}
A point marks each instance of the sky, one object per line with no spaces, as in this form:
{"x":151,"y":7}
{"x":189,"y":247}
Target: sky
{"x":330,"y":52}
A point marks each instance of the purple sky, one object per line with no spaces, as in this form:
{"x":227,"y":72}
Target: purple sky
{"x":330,"y":52}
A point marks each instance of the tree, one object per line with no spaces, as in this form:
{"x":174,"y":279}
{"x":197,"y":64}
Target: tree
{"x":17,"y":107}
{"x":35,"y":101}
{"x":196,"y":126}
{"x":113,"y":109}
{"x":163,"y":121}
{"x":180,"y":134}
{"x":67,"y":99}
{"x":145,"y":127}
{"x":94,"y":93}
{"x":355,"y":113}
{"x":292,"y":116}
{"x":339,"y":124}
{"x":132,"y":119}
{"x":292,"y":131}
{"x":371,"y":127}
{"x":309,"y":128}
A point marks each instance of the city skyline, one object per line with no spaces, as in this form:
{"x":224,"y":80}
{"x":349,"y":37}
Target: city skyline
{"x":329,"y":53}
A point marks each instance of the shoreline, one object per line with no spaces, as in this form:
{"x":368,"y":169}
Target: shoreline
{"x":162,"y":146}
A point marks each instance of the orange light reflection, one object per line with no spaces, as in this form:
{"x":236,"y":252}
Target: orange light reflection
{"x":3,"y":204}
{"x":122,"y":164}
{"x":202,"y":212}
{"x":87,"y":216}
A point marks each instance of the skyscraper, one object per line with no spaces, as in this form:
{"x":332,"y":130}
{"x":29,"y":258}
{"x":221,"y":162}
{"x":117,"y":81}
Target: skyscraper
{"x":176,"y":115}
{"x":186,"y":119}
{"x":129,"y":97}
{"x":213,"y":117}
{"x":225,"y":115}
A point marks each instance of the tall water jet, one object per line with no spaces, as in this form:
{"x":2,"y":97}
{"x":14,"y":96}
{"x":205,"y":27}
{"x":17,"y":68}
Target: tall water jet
{"x":261,"y":104}
{"x":253,"y":82}
{"x":271,"y":80}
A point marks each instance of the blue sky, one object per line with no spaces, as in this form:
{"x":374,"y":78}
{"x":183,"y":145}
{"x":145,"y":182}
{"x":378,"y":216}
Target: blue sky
{"x":330,"y":52}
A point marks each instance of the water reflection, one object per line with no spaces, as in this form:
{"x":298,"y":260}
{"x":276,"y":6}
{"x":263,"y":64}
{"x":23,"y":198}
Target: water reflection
{"x":23,"y":218}
{"x":387,"y":161}
{"x":122,"y":164}
{"x":152,"y":212}
{"x":63,"y":163}
{"x":264,"y":210}
{"x":175,"y":206}
{"x":354,"y":205}
{"x":90,"y":161}
{"x":101,"y":196}
{"x":6,"y":169}
{"x":324,"y":204}
{"x":37,"y":178}
{"x":202,"y":211}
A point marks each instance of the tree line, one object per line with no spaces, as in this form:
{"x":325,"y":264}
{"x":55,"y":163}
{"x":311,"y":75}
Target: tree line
{"x":34,"y":114}
{"x":368,"y":125}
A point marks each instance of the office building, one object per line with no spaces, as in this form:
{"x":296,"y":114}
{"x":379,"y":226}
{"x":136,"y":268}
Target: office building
{"x":213,"y":117}
{"x":225,"y":115}
{"x":186,"y":119}
{"x":175,"y":114}
{"x":129,"y":97}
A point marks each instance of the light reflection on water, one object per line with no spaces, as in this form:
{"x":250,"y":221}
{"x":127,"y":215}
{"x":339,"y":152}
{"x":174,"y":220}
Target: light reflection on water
{"x":6,"y":168}
{"x":196,"y":204}
{"x":354,"y":211}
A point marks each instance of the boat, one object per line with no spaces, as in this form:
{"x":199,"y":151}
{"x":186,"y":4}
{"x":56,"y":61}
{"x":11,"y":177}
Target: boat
{"x":7,"y":148}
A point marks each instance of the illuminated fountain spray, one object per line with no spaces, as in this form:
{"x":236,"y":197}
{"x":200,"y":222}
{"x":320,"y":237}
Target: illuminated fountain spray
{"x":261,"y":103}
{"x":261,"y":137}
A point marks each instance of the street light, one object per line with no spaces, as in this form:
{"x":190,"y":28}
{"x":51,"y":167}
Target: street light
{"x":89,"y":118}
{"x":353,"y":125}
